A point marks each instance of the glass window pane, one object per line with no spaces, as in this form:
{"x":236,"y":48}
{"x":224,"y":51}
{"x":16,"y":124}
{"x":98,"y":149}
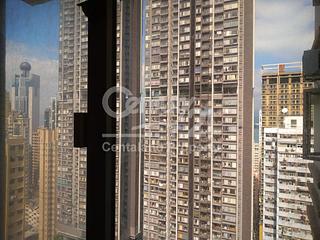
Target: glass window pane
{"x":46,"y":83}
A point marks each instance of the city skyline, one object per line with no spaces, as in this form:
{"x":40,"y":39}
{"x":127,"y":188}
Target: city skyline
{"x":32,"y":35}
{"x":196,"y":130}
{"x":45,"y":62}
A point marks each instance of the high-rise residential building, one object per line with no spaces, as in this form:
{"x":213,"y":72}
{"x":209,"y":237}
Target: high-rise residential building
{"x":256,"y":159}
{"x":198,"y":119}
{"x":37,"y":156}
{"x":47,"y":140}
{"x":257,"y":187}
{"x":16,"y":148}
{"x":35,"y":164}
{"x":286,"y":180}
{"x":72,"y":97}
{"x":18,"y":126}
{"x":50,"y":122}
{"x":15,"y":189}
{"x":282,"y":95}
{"x":282,"y":92}
{"x":25,"y":96}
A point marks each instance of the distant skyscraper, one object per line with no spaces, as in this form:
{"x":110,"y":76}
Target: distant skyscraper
{"x":50,"y":114}
{"x":46,"y":117}
{"x":33,"y":87}
{"x":25,"y":96}
{"x":72,"y":97}
{"x":286,"y":179}
{"x":198,"y":120}
{"x":47,"y":140}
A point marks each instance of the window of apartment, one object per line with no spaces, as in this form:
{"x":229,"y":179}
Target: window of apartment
{"x":231,"y":14}
{"x":230,"y":59}
{"x":284,"y":80}
{"x":231,"y":50}
{"x":295,"y":80}
{"x":229,"y":6}
{"x":272,"y":81}
{"x":230,"y":23}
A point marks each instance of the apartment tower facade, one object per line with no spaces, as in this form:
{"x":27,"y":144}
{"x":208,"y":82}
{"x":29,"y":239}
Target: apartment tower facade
{"x":72,"y":97}
{"x":47,"y":140}
{"x":15,"y":189}
{"x":198,"y":119}
{"x":282,"y":95}
{"x":282,"y":92}
{"x":286,"y":179}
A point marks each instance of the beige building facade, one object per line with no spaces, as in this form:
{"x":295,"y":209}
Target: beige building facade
{"x":198,"y":119}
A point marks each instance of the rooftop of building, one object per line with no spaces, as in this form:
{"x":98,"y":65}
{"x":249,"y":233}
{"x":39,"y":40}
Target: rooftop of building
{"x":281,"y":68}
